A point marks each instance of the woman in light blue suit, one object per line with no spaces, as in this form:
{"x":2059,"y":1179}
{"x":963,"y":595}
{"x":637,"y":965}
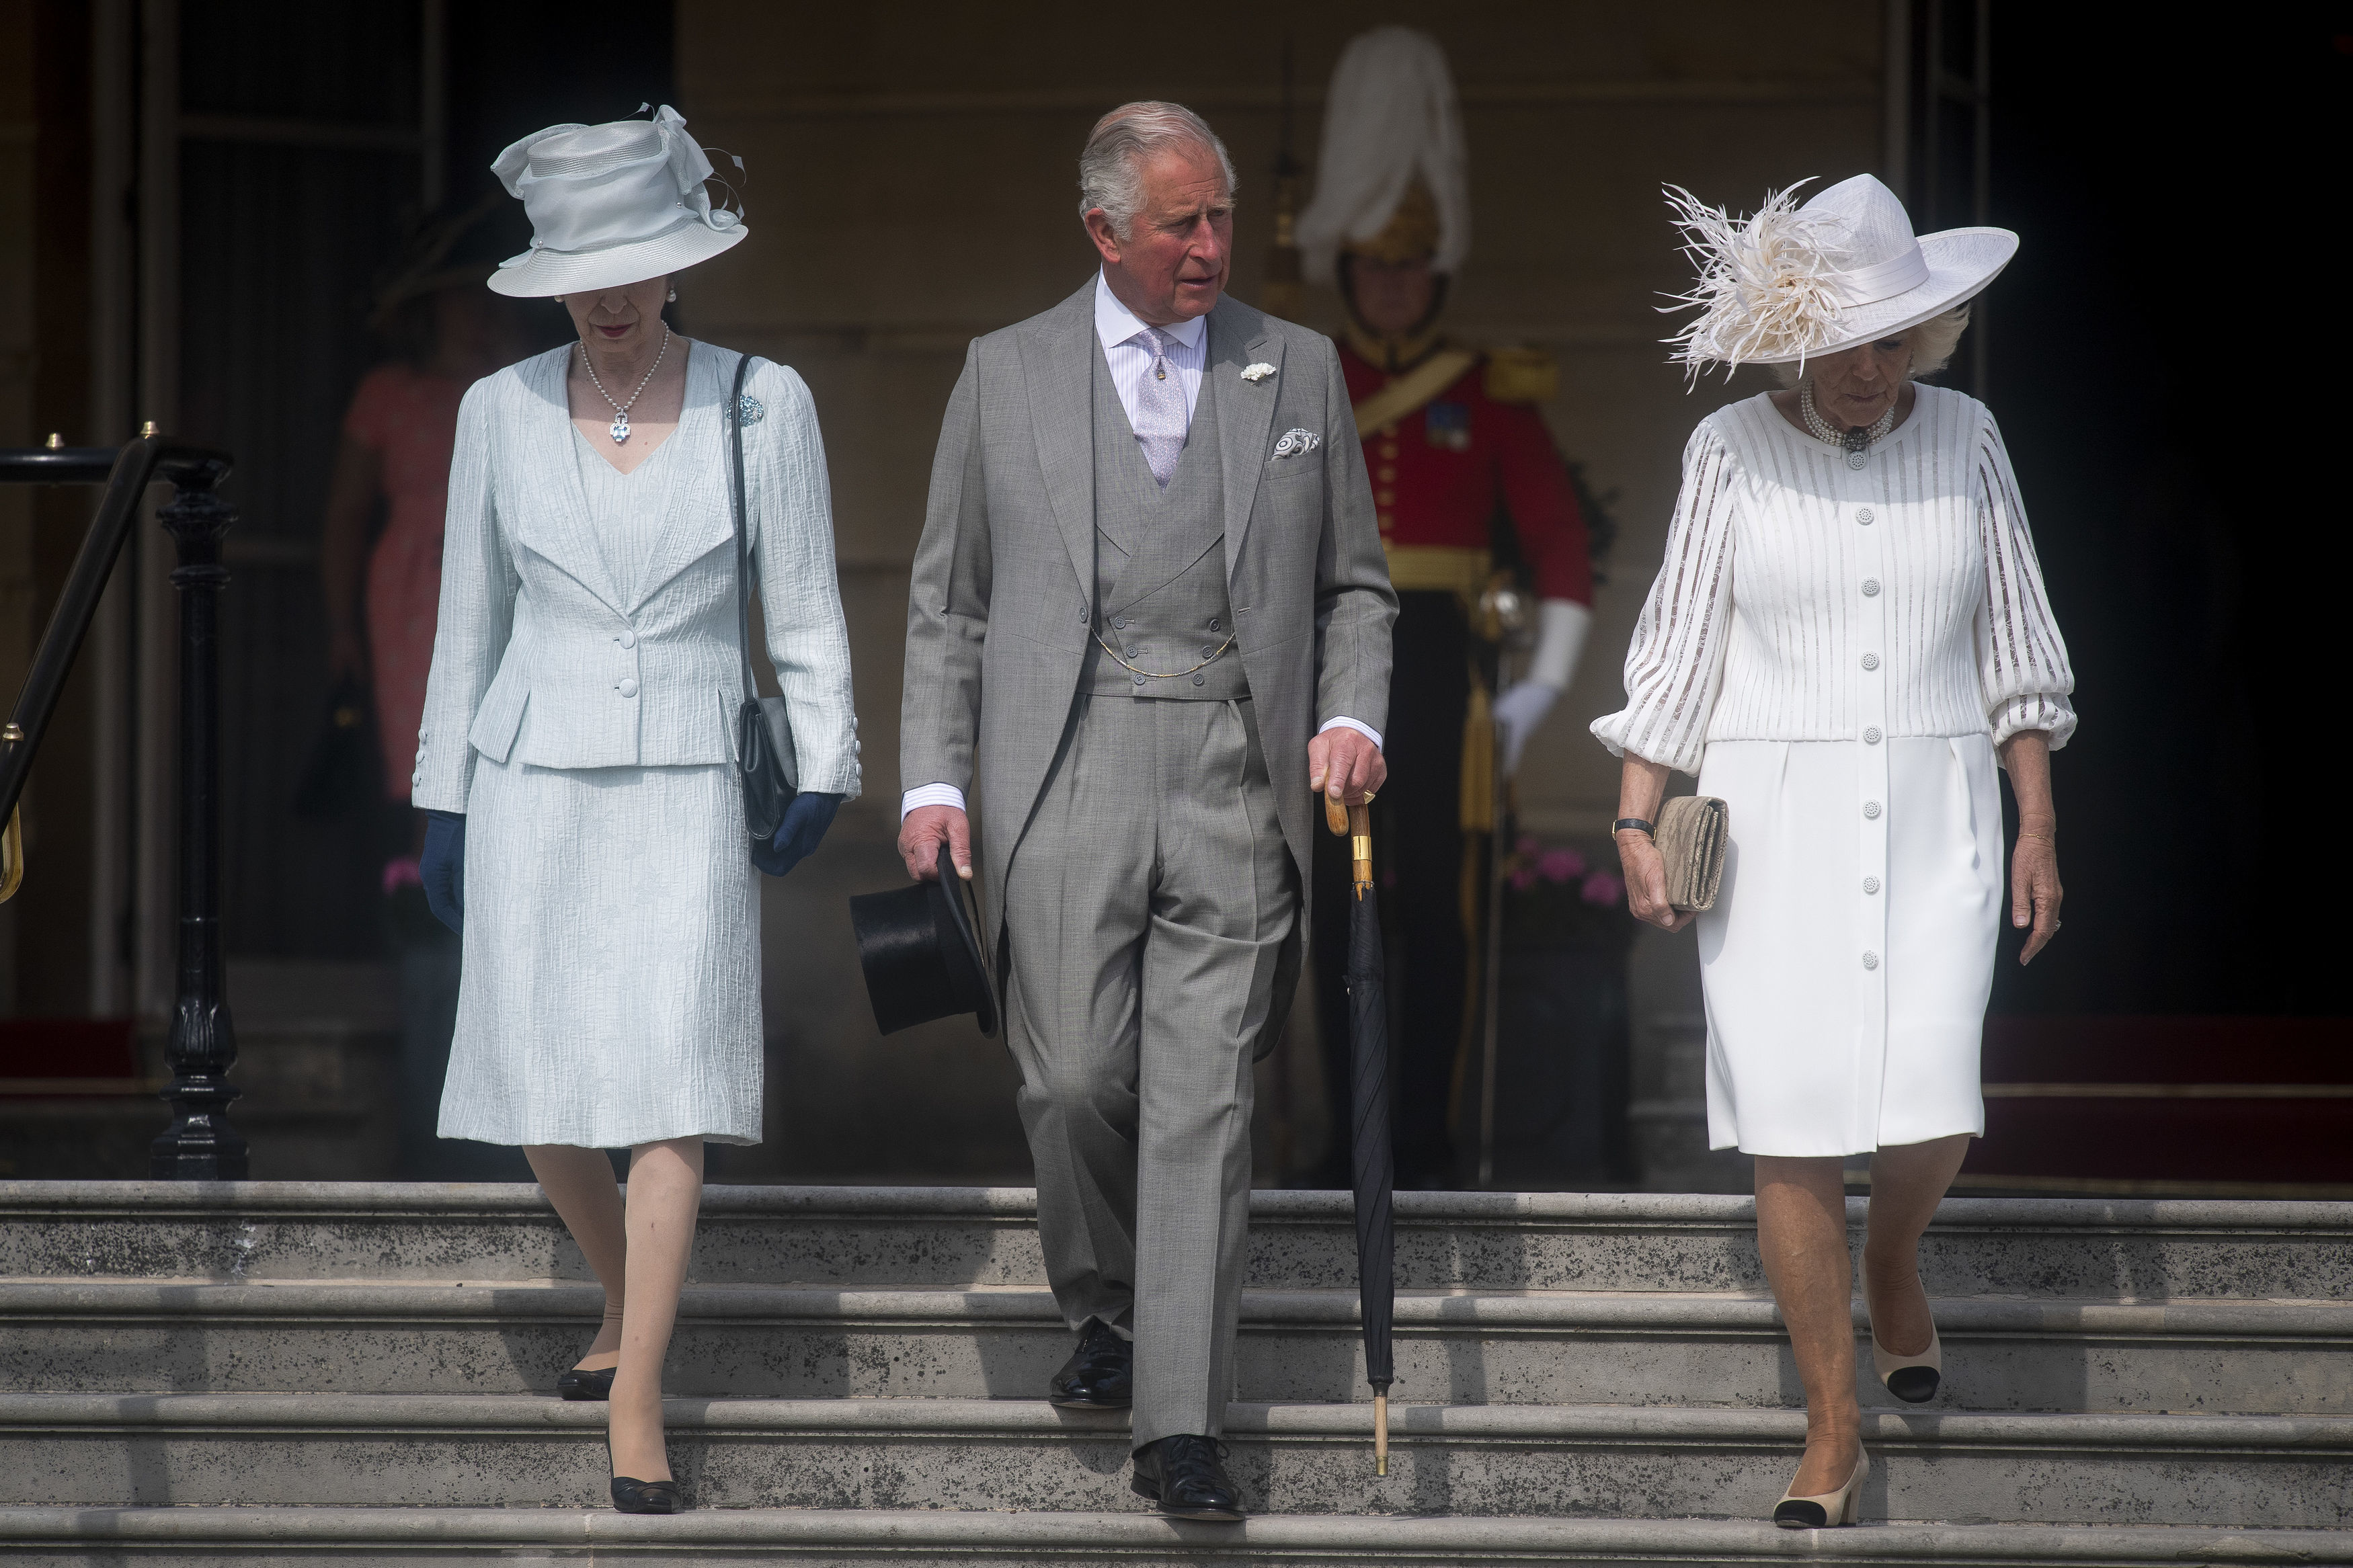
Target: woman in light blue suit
{"x":588,"y":832}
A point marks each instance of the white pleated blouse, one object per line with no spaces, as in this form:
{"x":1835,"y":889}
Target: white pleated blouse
{"x":1775,"y":602}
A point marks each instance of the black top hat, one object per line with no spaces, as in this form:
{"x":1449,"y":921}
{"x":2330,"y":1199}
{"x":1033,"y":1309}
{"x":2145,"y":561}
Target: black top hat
{"x":922,"y":952}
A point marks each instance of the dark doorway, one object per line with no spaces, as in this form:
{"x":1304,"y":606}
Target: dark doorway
{"x":307,"y":136}
{"x":2161,"y":371}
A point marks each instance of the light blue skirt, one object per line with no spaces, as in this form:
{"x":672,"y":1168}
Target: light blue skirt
{"x":611,"y":991}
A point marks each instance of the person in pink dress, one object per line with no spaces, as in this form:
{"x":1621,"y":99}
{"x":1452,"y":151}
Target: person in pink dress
{"x":447,"y":332}
{"x":380,"y":563}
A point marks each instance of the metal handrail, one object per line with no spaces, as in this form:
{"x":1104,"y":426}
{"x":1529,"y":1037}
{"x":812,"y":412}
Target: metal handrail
{"x":201,"y":1047}
{"x":128,"y":473}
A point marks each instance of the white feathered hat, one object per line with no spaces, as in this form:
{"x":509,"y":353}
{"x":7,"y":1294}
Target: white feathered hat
{"x":1391,"y":116}
{"x":1796,"y":282}
{"x":611,"y":205}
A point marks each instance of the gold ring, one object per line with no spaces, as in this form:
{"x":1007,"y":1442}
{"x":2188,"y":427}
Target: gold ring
{"x":1368,"y":797}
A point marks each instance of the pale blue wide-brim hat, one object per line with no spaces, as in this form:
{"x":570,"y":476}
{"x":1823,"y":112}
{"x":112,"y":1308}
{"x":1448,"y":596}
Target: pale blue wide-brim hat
{"x":611,"y":205}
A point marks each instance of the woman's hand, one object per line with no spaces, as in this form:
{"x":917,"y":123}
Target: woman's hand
{"x":2035,"y":894}
{"x":1641,"y":788}
{"x":805,"y":823}
{"x":351,"y":488}
{"x":441,"y":866}
{"x":1646,"y":883}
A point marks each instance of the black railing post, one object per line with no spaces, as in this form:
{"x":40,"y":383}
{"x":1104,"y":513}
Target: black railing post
{"x":200,"y":1145}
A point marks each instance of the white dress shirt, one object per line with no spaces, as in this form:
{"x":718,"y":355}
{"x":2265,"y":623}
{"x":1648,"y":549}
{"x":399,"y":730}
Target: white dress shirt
{"x":1118,"y":329}
{"x":1130,"y":361}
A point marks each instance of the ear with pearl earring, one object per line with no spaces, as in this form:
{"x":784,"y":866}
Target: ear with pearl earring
{"x":674,"y":296}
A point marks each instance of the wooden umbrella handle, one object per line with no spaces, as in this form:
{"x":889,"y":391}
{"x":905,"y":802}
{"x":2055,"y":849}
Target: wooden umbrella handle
{"x":1353,"y":822}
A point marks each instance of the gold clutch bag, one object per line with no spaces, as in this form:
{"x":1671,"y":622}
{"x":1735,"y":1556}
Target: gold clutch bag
{"x":1693,"y":834}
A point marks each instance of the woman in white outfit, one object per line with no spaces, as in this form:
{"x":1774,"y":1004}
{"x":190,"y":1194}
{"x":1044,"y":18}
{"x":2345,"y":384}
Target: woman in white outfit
{"x":1848,"y":630}
{"x":588,"y":832}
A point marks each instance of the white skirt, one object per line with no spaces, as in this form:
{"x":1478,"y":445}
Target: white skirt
{"x":611,"y":990}
{"x":1848,"y":958}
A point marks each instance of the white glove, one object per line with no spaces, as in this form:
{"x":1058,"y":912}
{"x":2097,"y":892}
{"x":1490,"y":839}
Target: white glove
{"x":1561,"y":625}
{"x":1518,"y":711}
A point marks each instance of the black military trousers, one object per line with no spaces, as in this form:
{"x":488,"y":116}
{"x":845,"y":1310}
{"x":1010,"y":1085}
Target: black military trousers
{"x":1417,"y":862}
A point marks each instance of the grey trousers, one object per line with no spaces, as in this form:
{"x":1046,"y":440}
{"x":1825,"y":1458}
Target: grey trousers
{"x":1144,"y":912}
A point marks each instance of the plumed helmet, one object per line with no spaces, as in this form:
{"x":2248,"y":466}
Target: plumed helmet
{"x":1393,"y":178}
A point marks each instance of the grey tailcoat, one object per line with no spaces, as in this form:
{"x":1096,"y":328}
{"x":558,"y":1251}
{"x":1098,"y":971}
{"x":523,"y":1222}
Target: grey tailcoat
{"x":1002,"y":598}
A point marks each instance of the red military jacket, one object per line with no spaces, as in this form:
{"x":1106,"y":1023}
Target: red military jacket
{"x":1441,"y":473}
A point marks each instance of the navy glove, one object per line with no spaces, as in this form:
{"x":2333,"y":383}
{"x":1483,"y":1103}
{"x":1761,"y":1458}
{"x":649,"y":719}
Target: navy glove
{"x":442,"y":866}
{"x":805,"y":823}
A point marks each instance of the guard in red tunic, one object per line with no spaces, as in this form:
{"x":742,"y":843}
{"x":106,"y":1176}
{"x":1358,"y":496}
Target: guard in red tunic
{"x":1472,"y":495}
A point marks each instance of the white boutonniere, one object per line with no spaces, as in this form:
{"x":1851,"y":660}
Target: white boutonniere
{"x":1257,"y":372}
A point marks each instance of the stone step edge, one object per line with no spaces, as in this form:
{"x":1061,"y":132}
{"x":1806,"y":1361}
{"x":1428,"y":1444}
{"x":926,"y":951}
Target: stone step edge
{"x":1032,"y":1306}
{"x":2298,"y":1436}
{"x":1101,"y":1537}
{"x":523,"y":1201}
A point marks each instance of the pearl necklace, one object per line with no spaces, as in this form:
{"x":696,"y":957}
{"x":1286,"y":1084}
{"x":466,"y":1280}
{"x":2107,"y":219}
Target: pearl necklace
{"x":1858,"y":442}
{"x":619,"y":429}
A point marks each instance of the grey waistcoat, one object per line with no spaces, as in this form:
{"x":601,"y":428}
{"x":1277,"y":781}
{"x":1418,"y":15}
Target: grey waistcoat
{"x":1160,"y":562}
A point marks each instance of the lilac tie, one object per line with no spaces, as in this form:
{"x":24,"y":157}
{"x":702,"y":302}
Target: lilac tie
{"x":1160,"y":408}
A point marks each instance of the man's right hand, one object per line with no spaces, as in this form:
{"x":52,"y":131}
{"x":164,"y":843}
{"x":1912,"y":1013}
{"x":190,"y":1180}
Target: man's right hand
{"x":921,"y":832}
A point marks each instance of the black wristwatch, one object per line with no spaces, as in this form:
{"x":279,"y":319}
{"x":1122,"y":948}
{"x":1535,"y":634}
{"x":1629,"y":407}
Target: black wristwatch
{"x":1636,"y":824}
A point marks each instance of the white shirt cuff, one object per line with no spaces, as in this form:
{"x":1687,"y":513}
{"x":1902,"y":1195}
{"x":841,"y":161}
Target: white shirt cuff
{"x":1366,"y":731}
{"x":930,"y":795}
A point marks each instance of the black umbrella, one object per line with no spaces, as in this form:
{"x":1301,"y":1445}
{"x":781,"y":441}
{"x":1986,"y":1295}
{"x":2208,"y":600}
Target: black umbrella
{"x":1368,"y":1077}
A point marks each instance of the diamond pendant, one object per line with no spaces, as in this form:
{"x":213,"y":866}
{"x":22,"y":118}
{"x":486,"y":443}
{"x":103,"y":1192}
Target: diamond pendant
{"x":621,"y":430}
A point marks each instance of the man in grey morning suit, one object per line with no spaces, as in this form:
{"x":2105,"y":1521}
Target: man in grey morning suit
{"x":1150,"y":616}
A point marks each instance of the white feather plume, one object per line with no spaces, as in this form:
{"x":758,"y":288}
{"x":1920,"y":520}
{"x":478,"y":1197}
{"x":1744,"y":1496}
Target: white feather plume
{"x":1764,"y":288}
{"x":1391,"y":116}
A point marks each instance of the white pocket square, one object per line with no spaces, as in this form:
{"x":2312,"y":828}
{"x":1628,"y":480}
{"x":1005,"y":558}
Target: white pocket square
{"x":1297,"y":443}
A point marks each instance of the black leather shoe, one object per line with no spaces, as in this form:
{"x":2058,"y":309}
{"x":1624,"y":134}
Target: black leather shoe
{"x":580,"y":1383}
{"x":1187,"y":1477}
{"x":646,"y":1496}
{"x":1099,"y":1374}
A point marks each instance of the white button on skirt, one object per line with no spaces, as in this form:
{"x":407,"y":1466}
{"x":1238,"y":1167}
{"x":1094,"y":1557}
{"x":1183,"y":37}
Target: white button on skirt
{"x":611,"y":990}
{"x":1848,"y":959}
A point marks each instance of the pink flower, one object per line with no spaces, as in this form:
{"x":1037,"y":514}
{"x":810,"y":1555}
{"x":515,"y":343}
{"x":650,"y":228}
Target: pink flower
{"x":401,"y":872}
{"x":1560,"y":864}
{"x":1603,"y":888}
{"x":1522,"y":879}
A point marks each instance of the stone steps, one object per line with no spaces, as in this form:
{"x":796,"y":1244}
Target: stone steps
{"x":793,"y":1341}
{"x":424,"y":1450}
{"x":947,"y":1237}
{"x":317,"y":1373}
{"x":505,"y":1537}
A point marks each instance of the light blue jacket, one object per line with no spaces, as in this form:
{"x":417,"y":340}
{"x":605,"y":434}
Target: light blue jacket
{"x":541,"y":657}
